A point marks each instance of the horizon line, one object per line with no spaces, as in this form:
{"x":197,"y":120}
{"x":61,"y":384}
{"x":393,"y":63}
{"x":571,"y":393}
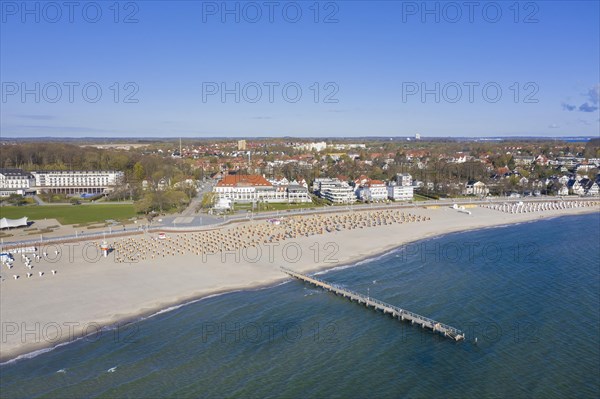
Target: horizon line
{"x":386,"y":137}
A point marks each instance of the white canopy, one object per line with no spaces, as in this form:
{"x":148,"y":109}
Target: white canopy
{"x":6,"y":223}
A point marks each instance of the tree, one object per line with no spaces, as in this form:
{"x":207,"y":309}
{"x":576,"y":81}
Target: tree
{"x":16,"y":199}
{"x":523,"y":172}
{"x":511,"y":163}
{"x":145,"y":204}
{"x":592,"y":148}
{"x":176,"y":199}
{"x":138,"y":172}
{"x":513,"y":181}
{"x":161,"y":201}
{"x":208,"y":200}
{"x":377,"y":173}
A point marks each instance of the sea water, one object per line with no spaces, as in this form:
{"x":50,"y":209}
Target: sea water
{"x":527,"y":296}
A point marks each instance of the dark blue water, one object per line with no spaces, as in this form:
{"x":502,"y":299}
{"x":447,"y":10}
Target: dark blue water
{"x":530,"y":293}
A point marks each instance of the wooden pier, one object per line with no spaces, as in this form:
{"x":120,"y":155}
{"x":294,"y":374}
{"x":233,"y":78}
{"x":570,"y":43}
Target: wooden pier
{"x":386,"y":308}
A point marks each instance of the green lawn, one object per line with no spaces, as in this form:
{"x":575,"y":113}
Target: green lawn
{"x":70,"y":214}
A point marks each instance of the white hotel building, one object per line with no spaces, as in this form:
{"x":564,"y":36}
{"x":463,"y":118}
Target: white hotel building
{"x":371,"y":190}
{"x":77,"y":181}
{"x":400,"y":193}
{"x":255,"y":188}
{"x":402,"y":189}
{"x":15,"y":181}
{"x":334,"y":190}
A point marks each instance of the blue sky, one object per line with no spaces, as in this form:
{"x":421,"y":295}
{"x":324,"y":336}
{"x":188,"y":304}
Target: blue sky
{"x":362,"y":69}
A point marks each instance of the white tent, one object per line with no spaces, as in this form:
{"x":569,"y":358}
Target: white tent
{"x":7,"y":223}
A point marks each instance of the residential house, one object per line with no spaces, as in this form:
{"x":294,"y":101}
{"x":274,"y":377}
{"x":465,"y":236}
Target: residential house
{"x":523,"y":181}
{"x":563,"y":179}
{"x":399,"y":192}
{"x":576,"y":187}
{"x":372,"y":191}
{"x":523,"y":160}
{"x":587,"y":187}
{"x":564,"y":190}
{"x":404,"y":179}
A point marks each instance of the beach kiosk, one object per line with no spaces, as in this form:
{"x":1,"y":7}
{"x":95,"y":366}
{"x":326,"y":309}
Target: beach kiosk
{"x":104,"y":248}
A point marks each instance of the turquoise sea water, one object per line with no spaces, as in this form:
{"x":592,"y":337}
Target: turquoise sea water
{"x":530,"y":293}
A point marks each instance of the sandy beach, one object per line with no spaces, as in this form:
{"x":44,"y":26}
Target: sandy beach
{"x":143,"y":274}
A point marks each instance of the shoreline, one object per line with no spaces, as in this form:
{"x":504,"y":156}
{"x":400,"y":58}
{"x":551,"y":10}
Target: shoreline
{"x":117,"y":320}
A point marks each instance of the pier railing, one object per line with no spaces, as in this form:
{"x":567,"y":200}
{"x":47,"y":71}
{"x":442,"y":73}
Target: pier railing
{"x":395,"y":311}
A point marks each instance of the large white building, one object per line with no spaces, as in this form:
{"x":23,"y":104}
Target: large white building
{"x":297,"y":193}
{"x":339,"y":193}
{"x":316,"y":185}
{"x":318,"y":146}
{"x":77,"y":181}
{"x":15,"y":181}
{"x":400,"y":193}
{"x":255,"y":188}
{"x":402,"y":189}
{"x":334,"y":190}
{"x":372,"y":190}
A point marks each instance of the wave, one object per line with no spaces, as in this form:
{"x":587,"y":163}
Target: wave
{"x":36,"y":353}
{"x":111,"y":327}
{"x":361,"y":262}
{"x":368,"y":260}
{"x":181,"y":305}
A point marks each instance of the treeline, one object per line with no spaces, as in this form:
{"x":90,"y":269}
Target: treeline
{"x":164,"y":189}
{"x":592,"y":148}
{"x":61,"y":156}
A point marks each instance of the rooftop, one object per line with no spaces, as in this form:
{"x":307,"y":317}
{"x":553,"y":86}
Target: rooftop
{"x":243,"y":180}
{"x":13,"y":172}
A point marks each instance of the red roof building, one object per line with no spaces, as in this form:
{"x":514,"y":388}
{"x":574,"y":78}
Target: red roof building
{"x":244,"y":181}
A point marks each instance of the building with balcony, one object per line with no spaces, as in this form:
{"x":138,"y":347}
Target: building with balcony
{"x":16,"y":181}
{"x":334,"y":190}
{"x":255,"y":188}
{"x":400,"y":193}
{"x":77,"y":181}
{"x":372,"y":191}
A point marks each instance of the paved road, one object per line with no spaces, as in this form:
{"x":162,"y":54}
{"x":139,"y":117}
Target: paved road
{"x":189,"y":217}
{"x":205,"y":219}
{"x":39,"y":201}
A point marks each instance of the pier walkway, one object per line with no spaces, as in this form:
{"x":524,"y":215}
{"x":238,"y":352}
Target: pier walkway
{"x":386,"y":308}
